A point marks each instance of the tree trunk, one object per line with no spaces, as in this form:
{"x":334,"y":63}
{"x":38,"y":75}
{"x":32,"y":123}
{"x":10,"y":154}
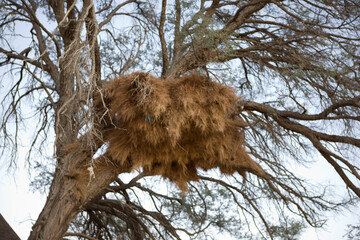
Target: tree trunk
{"x":70,"y":190}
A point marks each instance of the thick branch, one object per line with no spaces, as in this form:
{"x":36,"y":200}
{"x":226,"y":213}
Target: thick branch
{"x":22,"y":57}
{"x":165,"y":58}
{"x":281,"y":118}
{"x":177,"y":37}
{"x":70,"y":191}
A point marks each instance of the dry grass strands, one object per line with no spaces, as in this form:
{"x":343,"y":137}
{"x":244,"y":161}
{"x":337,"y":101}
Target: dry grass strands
{"x":173,"y":127}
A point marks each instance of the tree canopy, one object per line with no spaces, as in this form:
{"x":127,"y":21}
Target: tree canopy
{"x":294,"y":65}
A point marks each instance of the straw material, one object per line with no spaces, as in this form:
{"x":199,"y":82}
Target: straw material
{"x":173,"y":127}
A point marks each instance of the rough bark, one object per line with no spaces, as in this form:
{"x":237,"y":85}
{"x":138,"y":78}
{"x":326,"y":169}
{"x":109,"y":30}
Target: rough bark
{"x":73,"y":184}
{"x":70,"y":190}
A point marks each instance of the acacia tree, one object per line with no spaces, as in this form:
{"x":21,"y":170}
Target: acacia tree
{"x":294,"y":63}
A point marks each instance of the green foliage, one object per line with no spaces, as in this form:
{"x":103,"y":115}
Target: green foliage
{"x":288,"y":229}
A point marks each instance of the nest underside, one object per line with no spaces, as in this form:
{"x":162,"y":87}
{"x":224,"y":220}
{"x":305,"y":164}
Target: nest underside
{"x":174,"y":127}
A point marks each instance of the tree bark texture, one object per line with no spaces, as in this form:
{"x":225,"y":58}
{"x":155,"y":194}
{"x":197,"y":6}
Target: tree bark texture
{"x":69,"y":191}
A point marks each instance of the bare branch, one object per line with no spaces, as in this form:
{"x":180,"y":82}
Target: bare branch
{"x":314,"y":137}
{"x":114,"y":12}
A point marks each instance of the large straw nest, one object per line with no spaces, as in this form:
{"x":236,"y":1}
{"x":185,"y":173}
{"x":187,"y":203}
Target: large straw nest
{"x":173,"y":127}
